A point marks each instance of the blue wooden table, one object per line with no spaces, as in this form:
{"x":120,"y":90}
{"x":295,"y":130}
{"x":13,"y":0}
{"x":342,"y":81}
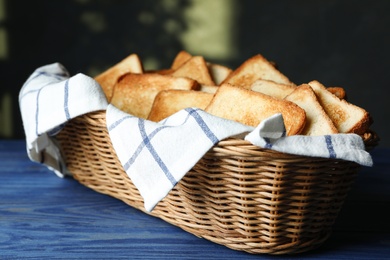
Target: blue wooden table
{"x":45,"y":217}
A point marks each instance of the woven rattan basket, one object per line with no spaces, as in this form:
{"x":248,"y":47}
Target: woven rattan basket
{"x":238,"y":195}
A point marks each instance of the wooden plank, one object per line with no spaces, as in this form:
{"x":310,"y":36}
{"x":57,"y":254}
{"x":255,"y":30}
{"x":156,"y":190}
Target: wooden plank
{"x":43,"y":216}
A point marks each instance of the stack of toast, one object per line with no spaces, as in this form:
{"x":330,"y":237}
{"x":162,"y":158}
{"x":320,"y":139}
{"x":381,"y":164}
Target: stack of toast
{"x":248,"y":94}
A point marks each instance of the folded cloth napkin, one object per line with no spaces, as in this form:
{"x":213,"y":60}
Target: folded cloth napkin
{"x":48,"y":99}
{"x":157,"y":155}
{"x":271,"y":134}
{"x":154,"y":155}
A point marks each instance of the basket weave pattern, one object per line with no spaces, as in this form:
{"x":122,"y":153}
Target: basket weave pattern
{"x":238,"y":195}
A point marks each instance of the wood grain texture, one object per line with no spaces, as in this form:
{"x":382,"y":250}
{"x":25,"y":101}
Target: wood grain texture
{"x":43,"y":216}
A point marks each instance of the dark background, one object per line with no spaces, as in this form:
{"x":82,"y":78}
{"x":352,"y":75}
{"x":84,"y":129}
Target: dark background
{"x":339,"y":43}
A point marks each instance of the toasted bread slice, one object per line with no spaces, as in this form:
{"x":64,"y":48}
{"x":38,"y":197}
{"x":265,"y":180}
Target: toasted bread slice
{"x":317,"y":121}
{"x":168,"y":102}
{"x":160,"y":71}
{"x":180,"y":59}
{"x":195,"y":68}
{"x":338,"y":92}
{"x":272,"y":88}
{"x":253,"y":69}
{"x":219,"y":72}
{"x":347,"y":117}
{"x":250,"y":108}
{"x":135,"y":93}
{"x":208,"y":89}
{"x":108,"y":78}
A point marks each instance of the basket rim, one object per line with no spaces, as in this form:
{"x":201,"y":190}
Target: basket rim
{"x":370,"y":137}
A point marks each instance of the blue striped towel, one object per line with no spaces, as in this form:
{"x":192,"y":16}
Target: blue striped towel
{"x":155,"y":155}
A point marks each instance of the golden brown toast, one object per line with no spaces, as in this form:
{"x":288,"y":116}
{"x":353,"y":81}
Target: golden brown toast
{"x":195,"y":68}
{"x":250,"y":108}
{"x":272,"y":88}
{"x":168,"y":102}
{"x":253,"y":69}
{"x":208,"y":89}
{"x":160,"y":71}
{"x":347,"y":118}
{"x":317,"y":121}
{"x":108,"y":78}
{"x":218,"y":72}
{"x":180,"y":59}
{"x":338,"y":92}
{"x":135,"y":93}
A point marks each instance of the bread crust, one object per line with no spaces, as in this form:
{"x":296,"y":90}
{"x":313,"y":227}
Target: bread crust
{"x":135,"y":93}
{"x":108,"y":78}
{"x":195,"y":68}
{"x":338,"y":92}
{"x":348,"y":118}
{"x":272,"y":88}
{"x":250,"y":108}
{"x":254,"y":68}
{"x":317,"y":121}
{"x":168,"y":102}
{"x":218,"y":72}
{"x":180,"y":59}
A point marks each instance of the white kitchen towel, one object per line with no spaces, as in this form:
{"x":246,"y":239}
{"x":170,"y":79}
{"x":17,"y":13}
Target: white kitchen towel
{"x":48,"y":99}
{"x":154,"y":155}
{"x":271,"y":134}
{"x":157,"y":155}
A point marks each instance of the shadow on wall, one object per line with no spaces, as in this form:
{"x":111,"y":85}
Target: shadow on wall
{"x":85,"y":36}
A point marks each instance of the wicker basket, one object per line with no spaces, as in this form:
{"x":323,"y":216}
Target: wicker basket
{"x":238,"y":195}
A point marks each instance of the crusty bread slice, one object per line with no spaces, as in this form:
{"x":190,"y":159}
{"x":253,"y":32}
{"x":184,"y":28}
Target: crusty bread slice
{"x":180,"y":59}
{"x":168,"y":102}
{"x":108,"y":78}
{"x":208,"y":89}
{"x":195,"y":68}
{"x":317,"y":121}
{"x":160,"y":71}
{"x":338,"y":92}
{"x":219,"y":72}
{"x":272,"y":88}
{"x":250,"y":108}
{"x":348,"y":118}
{"x":253,"y":69}
{"x":135,"y":93}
